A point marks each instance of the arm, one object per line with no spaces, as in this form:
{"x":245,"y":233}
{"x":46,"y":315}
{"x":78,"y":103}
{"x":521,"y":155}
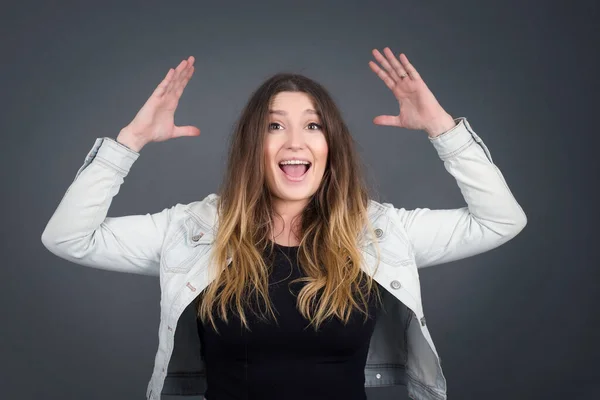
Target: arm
{"x":79,"y":230}
{"x":492,"y":215}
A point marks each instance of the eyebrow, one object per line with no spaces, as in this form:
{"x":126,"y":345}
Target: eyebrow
{"x":307,"y":111}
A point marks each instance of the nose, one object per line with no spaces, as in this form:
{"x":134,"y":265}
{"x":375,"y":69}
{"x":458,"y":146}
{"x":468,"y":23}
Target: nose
{"x":295,"y":139}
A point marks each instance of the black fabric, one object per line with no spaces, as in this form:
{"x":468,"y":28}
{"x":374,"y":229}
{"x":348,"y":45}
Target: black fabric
{"x":289,"y":361}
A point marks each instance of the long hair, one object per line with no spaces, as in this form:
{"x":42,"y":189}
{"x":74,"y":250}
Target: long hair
{"x":330,"y":225}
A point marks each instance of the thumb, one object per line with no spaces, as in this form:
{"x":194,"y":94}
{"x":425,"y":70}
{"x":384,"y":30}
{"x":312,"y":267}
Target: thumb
{"x":187,"y":130}
{"x":386,"y":120}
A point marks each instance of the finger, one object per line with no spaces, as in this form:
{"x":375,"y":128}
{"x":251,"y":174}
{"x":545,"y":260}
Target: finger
{"x":384,"y":62}
{"x":386,"y":120}
{"x":182,"y":66}
{"x":180,"y":86}
{"x":177,"y":76}
{"x":187,"y":130}
{"x":389,"y":82}
{"x":185,"y":76}
{"x":412,"y":72}
{"x":162,"y":87}
{"x":394,"y":61}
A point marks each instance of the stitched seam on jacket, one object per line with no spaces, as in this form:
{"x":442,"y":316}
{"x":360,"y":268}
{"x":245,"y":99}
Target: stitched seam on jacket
{"x":109,"y":164}
{"x":421,"y":385}
{"x":114,"y":179}
{"x":125,"y":253}
{"x":384,"y":365}
{"x":131,"y":153}
{"x":459,"y":150}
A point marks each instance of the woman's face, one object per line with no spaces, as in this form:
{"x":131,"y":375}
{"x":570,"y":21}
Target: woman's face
{"x":294,"y":132}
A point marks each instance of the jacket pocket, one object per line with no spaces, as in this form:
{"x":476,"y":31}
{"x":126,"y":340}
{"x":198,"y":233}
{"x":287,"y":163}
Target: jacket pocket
{"x":190,"y":243}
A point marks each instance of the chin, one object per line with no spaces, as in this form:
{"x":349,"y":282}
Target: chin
{"x":293,"y":194}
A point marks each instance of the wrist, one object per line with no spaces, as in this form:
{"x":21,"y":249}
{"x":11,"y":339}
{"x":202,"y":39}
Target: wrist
{"x":440,"y":125}
{"x":129,"y":140}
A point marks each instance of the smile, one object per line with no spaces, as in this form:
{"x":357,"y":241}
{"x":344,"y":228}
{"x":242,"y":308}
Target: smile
{"x":298,"y":178}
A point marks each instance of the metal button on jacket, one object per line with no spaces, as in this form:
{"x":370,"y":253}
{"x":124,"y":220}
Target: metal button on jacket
{"x":197,"y":237}
{"x":378,"y":232}
{"x":396,"y":285}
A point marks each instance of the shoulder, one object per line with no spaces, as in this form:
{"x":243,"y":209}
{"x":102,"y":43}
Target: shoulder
{"x":194,"y":218}
{"x":376,"y":209}
{"x":205,"y":210}
{"x":386,"y":216}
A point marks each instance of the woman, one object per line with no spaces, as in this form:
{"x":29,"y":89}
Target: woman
{"x":303,"y":285}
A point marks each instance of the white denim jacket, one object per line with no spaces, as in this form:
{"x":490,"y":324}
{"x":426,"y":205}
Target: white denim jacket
{"x":174,"y":245}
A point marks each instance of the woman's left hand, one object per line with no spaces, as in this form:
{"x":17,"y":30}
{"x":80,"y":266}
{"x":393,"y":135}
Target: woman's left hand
{"x":419,"y":108}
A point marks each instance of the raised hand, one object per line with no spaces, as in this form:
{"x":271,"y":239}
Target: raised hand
{"x":419,"y":108}
{"x":154,"y":122}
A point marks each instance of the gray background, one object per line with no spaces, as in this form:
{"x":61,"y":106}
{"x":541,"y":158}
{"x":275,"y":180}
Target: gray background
{"x":518,"y":322}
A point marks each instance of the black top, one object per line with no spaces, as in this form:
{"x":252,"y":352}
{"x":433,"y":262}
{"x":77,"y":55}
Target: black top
{"x":286,"y":361}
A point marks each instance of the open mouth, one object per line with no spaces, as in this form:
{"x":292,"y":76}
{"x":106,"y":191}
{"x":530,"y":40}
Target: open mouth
{"x":295,"y":172}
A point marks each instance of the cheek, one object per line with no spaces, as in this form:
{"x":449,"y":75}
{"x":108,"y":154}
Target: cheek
{"x":269,"y":154}
{"x":270,"y":151}
{"x":321,"y":151}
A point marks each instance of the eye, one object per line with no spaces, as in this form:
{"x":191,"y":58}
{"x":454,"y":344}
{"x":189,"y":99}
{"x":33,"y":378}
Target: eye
{"x":271,"y":124}
{"x":315,"y":124}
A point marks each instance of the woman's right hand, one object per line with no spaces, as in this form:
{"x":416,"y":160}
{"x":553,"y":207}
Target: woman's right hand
{"x":155,"y":120}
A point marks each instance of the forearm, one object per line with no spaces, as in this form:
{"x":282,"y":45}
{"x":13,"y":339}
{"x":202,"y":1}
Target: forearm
{"x":481,"y":183}
{"x":492,"y":215}
{"x":85,"y":204}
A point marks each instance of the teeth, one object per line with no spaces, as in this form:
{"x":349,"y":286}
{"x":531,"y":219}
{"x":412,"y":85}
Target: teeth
{"x":294,"y":162}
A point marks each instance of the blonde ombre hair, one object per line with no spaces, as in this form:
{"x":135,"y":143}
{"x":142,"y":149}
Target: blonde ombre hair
{"x":330,"y":227}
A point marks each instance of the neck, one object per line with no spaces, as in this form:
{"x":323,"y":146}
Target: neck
{"x":287,"y":221}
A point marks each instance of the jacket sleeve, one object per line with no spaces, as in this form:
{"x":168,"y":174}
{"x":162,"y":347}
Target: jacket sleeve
{"x":80,"y":231}
{"x":492,"y":215}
